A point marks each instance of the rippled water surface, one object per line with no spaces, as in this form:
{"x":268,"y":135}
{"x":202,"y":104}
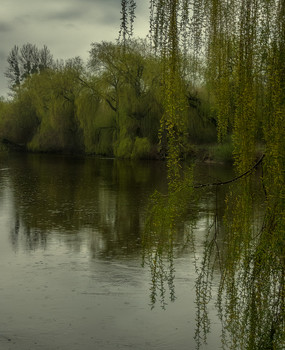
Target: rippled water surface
{"x":71,"y":257}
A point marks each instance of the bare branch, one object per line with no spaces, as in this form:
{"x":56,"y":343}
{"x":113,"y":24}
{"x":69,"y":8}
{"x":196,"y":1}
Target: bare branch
{"x":248,"y":172}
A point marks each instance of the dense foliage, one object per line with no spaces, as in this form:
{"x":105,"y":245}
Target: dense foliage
{"x":240,"y":44}
{"x":113,"y":105}
{"x":208,"y":63}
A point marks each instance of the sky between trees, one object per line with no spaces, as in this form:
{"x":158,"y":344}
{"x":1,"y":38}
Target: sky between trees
{"x":66,"y":27}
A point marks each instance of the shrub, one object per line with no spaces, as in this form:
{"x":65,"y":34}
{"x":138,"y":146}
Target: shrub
{"x":223,"y":152}
{"x":141,"y":148}
{"x":123,"y":148}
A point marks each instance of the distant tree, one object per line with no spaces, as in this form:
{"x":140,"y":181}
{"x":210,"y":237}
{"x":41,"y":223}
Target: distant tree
{"x":13,"y":71}
{"x":127,"y":79}
{"x":54,"y":93}
{"x":45,"y":59}
{"x":26,"y":61}
{"x":29,"y":59}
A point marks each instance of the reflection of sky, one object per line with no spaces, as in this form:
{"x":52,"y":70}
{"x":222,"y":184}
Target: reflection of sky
{"x":86,"y":210}
{"x":77,"y":199}
{"x":7,"y":214}
{"x":80,"y":280}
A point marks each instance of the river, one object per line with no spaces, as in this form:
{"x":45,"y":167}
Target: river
{"x":71,"y":256}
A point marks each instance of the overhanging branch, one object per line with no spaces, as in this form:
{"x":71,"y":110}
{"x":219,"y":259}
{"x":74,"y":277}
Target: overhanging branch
{"x":248,"y":172}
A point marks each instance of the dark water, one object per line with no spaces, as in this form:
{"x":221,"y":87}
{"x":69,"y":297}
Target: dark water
{"x":71,"y":256}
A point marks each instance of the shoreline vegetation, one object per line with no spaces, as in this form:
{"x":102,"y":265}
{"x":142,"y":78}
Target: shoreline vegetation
{"x":213,"y":153}
{"x":111,"y":106}
{"x":207,"y":153}
{"x":211,"y":86}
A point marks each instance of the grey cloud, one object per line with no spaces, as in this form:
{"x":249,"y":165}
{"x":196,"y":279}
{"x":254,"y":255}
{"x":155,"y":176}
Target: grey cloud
{"x":103,"y":12}
{"x":83,"y":12}
{"x":108,"y":19}
{"x":19,"y":21}
{"x":3,"y":57}
{"x":5,"y":27}
{"x":64,"y":15}
{"x":115,"y":3}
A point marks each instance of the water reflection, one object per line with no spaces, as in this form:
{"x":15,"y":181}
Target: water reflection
{"x":247,"y":252}
{"x":76,"y":227}
{"x":111,"y":210}
{"x":184,"y":219}
{"x":104,"y":206}
{"x":252,"y":290}
{"x":165,"y":222}
{"x":105,"y":198}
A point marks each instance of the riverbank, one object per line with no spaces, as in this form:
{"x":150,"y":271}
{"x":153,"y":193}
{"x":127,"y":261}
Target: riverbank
{"x":207,"y":152}
{"x":212,"y":153}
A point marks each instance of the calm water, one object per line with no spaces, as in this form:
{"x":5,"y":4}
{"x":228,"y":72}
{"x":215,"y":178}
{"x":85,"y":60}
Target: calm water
{"x":71,"y":256}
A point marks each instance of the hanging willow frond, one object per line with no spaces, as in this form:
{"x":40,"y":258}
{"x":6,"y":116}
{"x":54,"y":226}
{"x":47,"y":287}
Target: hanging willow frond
{"x":241,"y":44}
{"x":128,"y":8}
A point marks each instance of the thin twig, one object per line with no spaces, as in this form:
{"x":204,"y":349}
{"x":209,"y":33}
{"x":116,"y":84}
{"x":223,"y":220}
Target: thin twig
{"x":248,"y":172}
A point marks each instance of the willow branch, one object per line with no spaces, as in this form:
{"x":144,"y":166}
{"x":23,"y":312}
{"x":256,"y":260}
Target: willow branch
{"x":248,"y":172}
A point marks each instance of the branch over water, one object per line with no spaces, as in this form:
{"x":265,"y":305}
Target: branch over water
{"x":248,"y":172}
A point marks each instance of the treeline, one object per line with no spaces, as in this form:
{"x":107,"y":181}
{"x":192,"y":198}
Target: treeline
{"x":111,"y":105}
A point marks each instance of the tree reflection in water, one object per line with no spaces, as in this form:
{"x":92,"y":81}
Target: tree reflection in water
{"x":88,"y":199}
{"x":248,"y":250}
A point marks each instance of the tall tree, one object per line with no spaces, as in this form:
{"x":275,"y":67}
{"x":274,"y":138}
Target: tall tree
{"x":13,"y":71}
{"x":26,"y":61}
{"x":45,"y":59}
{"x":242,"y":43}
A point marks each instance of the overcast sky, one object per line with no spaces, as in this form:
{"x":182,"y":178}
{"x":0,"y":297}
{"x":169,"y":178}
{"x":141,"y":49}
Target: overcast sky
{"x":67,"y":27}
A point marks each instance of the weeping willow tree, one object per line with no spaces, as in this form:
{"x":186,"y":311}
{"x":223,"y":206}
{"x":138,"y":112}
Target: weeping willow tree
{"x":164,"y":222}
{"x":242,"y":45}
{"x":165,"y":31}
{"x":246,"y":47}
